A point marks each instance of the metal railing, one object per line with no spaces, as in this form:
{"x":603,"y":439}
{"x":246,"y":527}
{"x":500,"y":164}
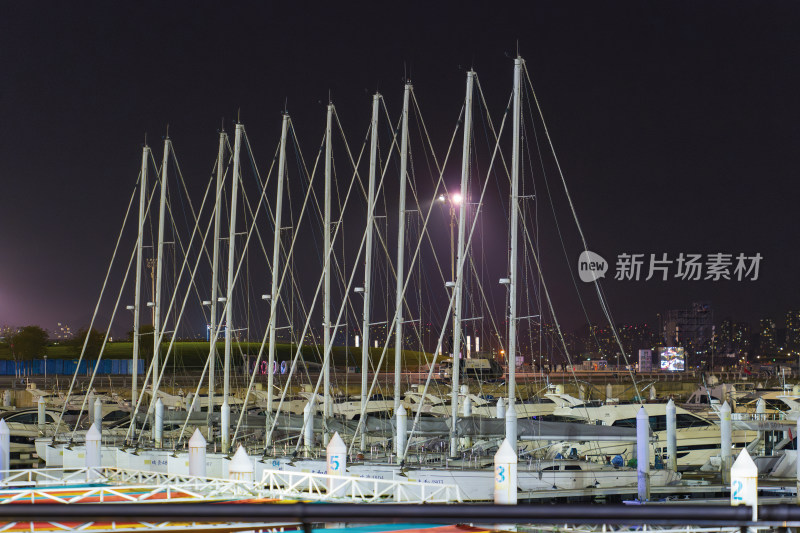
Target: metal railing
{"x":324,"y":487}
{"x":59,"y":485}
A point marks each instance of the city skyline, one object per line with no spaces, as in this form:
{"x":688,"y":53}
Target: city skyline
{"x":679,"y":145}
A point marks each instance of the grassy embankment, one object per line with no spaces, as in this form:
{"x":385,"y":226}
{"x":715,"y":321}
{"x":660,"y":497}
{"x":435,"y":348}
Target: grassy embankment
{"x":192,"y":355}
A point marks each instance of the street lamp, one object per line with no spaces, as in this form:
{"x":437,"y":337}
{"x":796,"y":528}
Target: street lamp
{"x":453,"y":200}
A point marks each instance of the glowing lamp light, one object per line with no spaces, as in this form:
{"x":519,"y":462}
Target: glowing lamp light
{"x":456,"y":199}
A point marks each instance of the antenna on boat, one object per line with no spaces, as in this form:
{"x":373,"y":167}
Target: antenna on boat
{"x":222,"y":125}
{"x":167,"y":134}
{"x":145,"y":138}
{"x":286,"y":105}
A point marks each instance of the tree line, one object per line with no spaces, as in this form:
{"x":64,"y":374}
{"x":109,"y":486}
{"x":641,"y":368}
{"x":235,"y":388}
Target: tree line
{"x":28,"y":343}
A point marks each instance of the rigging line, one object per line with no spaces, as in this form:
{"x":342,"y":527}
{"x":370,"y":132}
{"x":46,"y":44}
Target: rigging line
{"x":283,"y":275}
{"x":185,"y":189}
{"x":169,"y":351}
{"x":603,"y":305}
{"x":343,"y":307}
{"x":272,"y":218}
{"x":437,"y":184}
{"x":416,"y":252}
{"x":321,"y":279}
{"x":558,"y":225}
{"x":224,"y":309}
{"x":184,"y":267}
{"x":105,"y":340}
{"x":185,"y":251}
{"x":550,"y":305}
{"x":272,"y":318}
{"x":459,"y":269}
{"x":97,"y":306}
{"x":298,"y":291}
{"x":258,"y":232}
{"x":194,"y":400}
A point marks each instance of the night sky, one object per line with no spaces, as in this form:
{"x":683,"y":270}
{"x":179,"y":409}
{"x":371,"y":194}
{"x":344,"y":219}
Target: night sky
{"x":676,"y":124}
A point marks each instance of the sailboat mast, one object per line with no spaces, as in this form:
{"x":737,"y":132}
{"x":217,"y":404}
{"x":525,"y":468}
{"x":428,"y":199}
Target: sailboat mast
{"x":213,"y":325}
{"x":512,"y":266}
{"x":373,"y":163}
{"x":226,"y":371}
{"x":276,"y":259}
{"x":401,"y":230}
{"x":459,"y":281}
{"x":326,"y":297}
{"x":138,"y":291}
{"x":162,"y":206}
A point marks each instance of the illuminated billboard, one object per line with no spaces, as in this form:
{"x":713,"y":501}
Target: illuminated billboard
{"x":673,"y":359}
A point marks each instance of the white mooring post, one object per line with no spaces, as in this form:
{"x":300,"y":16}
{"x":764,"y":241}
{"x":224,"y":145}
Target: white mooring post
{"x":5,"y":449}
{"x":672,"y":439}
{"x":197,"y":455}
{"x":308,"y":427}
{"x":337,"y":460}
{"x":97,"y":418}
{"x":90,"y":407}
{"x":505,"y":475}
{"x":225,"y":425}
{"x":725,"y":442}
{"x":511,"y":426}
{"x":187,"y":402}
{"x":501,"y":408}
{"x":158,"y":424}
{"x":609,"y":392}
{"x":241,"y":467}
{"x":761,"y":415}
{"x":797,"y":459}
{"x":40,"y":405}
{"x":581,"y":392}
{"x":653,"y":395}
{"x":744,"y":482}
{"x":6,"y":398}
{"x":93,"y":457}
{"x":402,"y":428}
{"x":643,"y":454}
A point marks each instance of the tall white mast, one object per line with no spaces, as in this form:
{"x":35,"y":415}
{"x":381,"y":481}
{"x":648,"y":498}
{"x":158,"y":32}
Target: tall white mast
{"x":326,"y":305}
{"x":512,"y":266}
{"x":225,"y":430}
{"x":138,"y":291}
{"x":459,"y":281}
{"x":373,"y":163}
{"x":162,"y":206}
{"x":276,"y":260}
{"x":401,"y":231}
{"x":213,"y":325}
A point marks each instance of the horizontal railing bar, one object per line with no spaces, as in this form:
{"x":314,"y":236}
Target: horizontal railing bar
{"x":697,"y":515}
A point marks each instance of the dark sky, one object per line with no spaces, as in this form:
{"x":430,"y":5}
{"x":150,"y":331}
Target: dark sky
{"x":676,"y":123}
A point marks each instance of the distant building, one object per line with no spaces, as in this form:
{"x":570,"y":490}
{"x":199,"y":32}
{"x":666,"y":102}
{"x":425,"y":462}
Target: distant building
{"x":741,"y":337}
{"x":724,"y":341}
{"x":691,"y":328}
{"x":768,"y":345}
{"x":793,"y":331}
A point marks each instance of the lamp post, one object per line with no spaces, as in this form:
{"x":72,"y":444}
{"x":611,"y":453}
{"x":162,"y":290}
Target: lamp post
{"x":453,"y":201}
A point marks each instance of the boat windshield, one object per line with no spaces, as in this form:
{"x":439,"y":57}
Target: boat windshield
{"x":659,"y":422}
